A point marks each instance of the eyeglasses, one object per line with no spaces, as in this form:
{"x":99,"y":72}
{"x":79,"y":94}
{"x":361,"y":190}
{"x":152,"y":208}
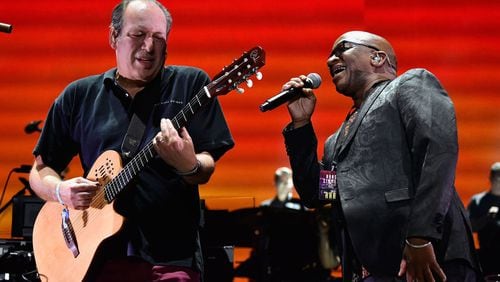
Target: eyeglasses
{"x":346,"y":45}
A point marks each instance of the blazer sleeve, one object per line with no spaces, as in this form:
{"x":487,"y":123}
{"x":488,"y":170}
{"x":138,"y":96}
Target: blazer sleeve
{"x":428,"y":117}
{"x":301,"y":147}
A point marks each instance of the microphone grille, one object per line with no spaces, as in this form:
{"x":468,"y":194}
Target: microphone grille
{"x":315,"y":80}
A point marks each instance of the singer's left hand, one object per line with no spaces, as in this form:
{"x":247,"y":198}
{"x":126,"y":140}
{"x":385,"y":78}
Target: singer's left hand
{"x":420,"y":264}
{"x":301,"y":108}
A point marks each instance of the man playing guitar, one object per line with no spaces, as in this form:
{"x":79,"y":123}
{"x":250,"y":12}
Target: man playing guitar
{"x":90,"y":119}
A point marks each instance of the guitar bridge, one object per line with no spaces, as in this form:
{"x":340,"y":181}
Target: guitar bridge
{"x":69,"y":233}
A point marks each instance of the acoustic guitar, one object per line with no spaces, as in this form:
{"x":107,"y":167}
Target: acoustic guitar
{"x":65,"y":240}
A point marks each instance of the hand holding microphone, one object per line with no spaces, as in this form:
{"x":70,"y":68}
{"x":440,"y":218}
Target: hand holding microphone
{"x":313,"y":81}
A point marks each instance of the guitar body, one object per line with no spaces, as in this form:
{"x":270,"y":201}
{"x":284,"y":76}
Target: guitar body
{"x":54,"y":260}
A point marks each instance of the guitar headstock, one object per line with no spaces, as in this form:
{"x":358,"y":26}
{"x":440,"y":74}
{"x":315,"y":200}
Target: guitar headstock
{"x":238,"y":72}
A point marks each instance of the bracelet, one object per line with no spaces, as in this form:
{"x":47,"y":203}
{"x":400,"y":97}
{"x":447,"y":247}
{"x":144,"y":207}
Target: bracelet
{"x":417,"y":246}
{"x":58,"y":193}
{"x":191,"y":172}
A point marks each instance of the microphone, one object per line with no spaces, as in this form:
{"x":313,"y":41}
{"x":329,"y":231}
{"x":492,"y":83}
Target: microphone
{"x":22,"y":169}
{"x":32,"y":127}
{"x":7,"y":28}
{"x":313,"y":81}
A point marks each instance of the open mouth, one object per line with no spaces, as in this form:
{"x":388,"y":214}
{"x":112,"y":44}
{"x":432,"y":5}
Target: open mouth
{"x":337,"y":69}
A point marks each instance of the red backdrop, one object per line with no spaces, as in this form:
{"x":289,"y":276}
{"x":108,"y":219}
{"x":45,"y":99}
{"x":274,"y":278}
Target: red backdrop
{"x":55,"y":42}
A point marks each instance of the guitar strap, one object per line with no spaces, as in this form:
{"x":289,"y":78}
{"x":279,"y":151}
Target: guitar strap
{"x":133,"y":138}
{"x":143,"y":109}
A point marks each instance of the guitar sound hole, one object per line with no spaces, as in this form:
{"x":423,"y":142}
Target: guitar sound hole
{"x":109,"y":167}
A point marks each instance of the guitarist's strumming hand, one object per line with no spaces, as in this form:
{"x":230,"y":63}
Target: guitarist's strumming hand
{"x":177,"y":150}
{"x":77,"y":193}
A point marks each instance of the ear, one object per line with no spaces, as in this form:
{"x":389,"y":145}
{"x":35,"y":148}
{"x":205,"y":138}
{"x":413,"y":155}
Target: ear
{"x":378,"y":58}
{"x":112,"y":37}
{"x":166,"y":53}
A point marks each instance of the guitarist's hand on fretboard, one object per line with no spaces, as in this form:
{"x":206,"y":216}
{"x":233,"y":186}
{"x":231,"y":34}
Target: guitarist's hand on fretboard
{"x":176,"y":149}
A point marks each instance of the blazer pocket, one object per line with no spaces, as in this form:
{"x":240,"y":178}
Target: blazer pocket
{"x":397,"y":195}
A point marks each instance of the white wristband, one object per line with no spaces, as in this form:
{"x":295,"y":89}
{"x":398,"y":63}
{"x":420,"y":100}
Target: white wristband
{"x":58,"y":193}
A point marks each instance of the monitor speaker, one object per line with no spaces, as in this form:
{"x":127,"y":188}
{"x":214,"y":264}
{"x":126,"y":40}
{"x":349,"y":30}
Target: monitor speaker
{"x":24,"y":211}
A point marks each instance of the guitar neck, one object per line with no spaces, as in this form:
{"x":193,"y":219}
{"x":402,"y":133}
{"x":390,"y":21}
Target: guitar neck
{"x":184,"y":115}
{"x":147,"y":153}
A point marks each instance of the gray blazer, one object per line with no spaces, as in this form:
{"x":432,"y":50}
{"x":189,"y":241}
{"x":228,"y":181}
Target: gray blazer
{"x":395,"y":173}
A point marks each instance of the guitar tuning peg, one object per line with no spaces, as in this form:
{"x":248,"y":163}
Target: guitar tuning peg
{"x":249,"y":83}
{"x":258,"y":75}
{"x":240,"y":90}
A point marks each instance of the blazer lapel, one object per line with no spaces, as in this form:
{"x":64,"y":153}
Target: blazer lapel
{"x":362,"y":112}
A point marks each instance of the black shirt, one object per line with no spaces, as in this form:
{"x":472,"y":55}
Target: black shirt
{"x":92,"y":115}
{"x":485,"y":218}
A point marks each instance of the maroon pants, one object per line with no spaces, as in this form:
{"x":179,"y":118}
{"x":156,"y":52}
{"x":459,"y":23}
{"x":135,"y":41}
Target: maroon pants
{"x":133,"y":270}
